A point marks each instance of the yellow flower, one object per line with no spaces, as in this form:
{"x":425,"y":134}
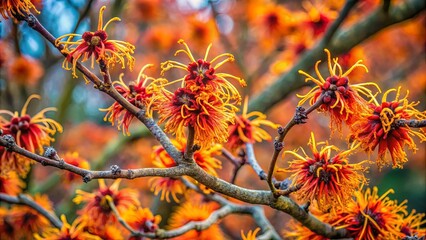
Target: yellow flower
{"x":96,"y":46}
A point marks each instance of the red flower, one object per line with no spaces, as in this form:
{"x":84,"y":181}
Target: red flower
{"x":30,"y":133}
{"x":378,"y":127}
{"x":137,"y":93}
{"x":96,"y":46}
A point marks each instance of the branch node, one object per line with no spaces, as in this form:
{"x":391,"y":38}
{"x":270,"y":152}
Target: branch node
{"x":280,"y":130}
{"x":195,"y":147}
{"x":50,"y":152}
{"x":115,"y":169}
{"x":130,"y":174}
{"x":31,"y":20}
{"x":300,"y":116}
{"x":10,"y":141}
{"x":278,"y":145}
{"x":61,"y":164}
{"x":306,"y":207}
{"x":87,"y":178}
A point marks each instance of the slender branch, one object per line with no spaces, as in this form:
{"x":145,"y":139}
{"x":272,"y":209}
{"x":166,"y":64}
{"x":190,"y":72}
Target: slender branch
{"x":118,"y":216}
{"x":235,"y":161}
{"x":25,"y":200}
{"x":411,"y":123}
{"x":299,"y":117}
{"x":189,"y":151}
{"x":344,"y":40}
{"x":251,"y":160}
{"x":8,"y":142}
{"x":336,"y":24}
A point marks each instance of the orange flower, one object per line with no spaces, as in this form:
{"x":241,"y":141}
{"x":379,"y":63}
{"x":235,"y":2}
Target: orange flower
{"x":137,"y":93}
{"x":297,"y":231}
{"x":378,"y":127}
{"x":75,"y":231}
{"x":318,"y":17}
{"x":30,"y":133}
{"x":340,"y":99}
{"x":7,"y":229}
{"x":251,"y":235}
{"x":330,"y":180}
{"x":96,"y":45}
{"x":200,"y":32}
{"x":195,"y":211}
{"x":25,"y":71}
{"x":413,"y":225}
{"x":10,"y":183}
{"x":202,"y":75}
{"x":245,"y":130}
{"x":15,"y":8}
{"x":75,"y":160}
{"x":27,"y":220}
{"x":142,"y":220}
{"x":97,"y":208}
{"x":166,"y":185}
{"x":204,"y":158}
{"x":372,"y":217}
{"x":204,"y":111}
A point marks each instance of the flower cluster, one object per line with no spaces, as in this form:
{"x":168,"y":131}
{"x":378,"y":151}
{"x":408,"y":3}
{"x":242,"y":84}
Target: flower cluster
{"x":95,"y":46}
{"x":330,"y":180}
{"x":30,"y":132}
{"x":204,"y":101}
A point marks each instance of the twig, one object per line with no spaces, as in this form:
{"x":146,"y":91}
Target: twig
{"x":118,"y":216}
{"x":8,"y":142}
{"x":411,"y":123}
{"x":299,"y":117}
{"x":25,"y":200}
{"x":237,"y":163}
{"x":251,"y":160}
{"x":189,"y":151}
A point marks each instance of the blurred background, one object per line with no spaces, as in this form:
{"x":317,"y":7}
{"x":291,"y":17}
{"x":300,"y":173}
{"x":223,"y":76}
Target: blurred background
{"x":266,"y":38}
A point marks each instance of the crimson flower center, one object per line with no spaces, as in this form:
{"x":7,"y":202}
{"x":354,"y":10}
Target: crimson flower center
{"x":20,"y":124}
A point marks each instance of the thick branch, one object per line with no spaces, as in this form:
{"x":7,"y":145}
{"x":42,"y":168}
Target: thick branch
{"x":341,"y":43}
{"x":25,"y":200}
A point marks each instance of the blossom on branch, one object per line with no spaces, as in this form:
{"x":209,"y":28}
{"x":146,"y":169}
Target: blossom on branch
{"x":96,"y":46}
{"x":413,"y":225}
{"x":378,"y":127}
{"x":339,"y":98}
{"x":142,"y":220}
{"x":10,"y":183}
{"x":97,"y":208}
{"x":75,"y":160}
{"x":372,"y":216}
{"x":246,"y":130}
{"x":30,"y":132}
{"x":16,"y":8}
{"x":195,"y":211}
{"x":76,"y":231}
{"x":330,"y":180}
{"x":138,"y":93}
{"x":202,"y":75}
